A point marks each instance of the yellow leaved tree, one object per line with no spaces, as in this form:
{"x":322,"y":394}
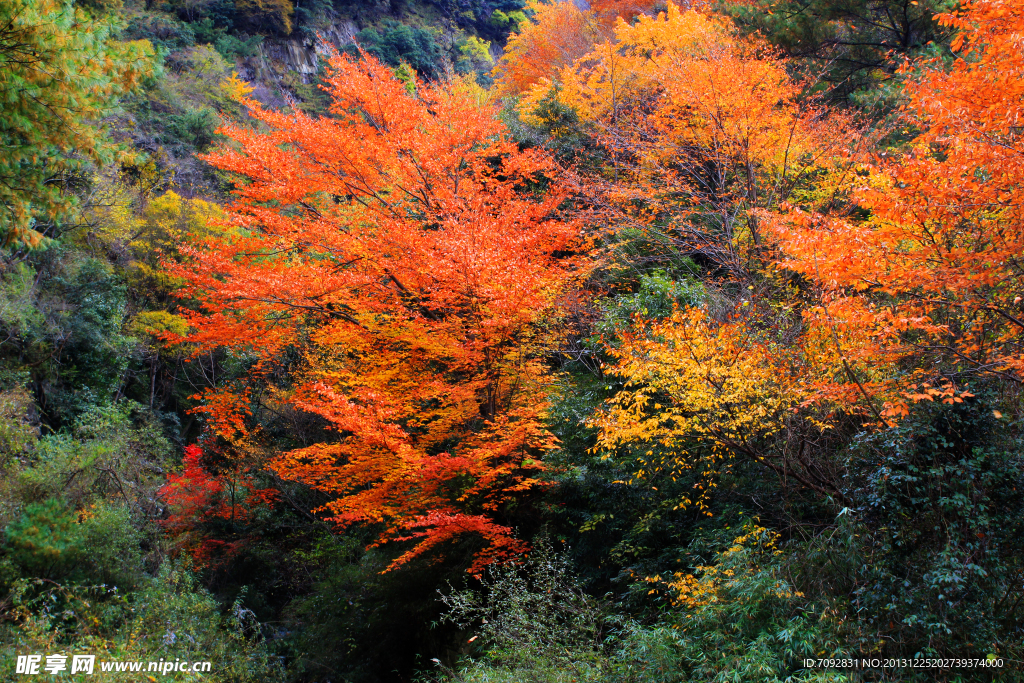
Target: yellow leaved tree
{"x":703,"y":129}
{"x":708,"y":134}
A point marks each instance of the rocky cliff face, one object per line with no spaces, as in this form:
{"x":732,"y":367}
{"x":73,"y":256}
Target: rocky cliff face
{"x":302,"y":55}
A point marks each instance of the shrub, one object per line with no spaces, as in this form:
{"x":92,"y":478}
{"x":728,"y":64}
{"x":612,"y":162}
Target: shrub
{"x":172,"y":618}
{"x":162,"y":31}
{"x":266,"y":15}
{"x":937,"y":523}
{"x":111,"y":452}
{"x":396,"y":43}
{"x":17,"y":434}
{"x":112,"y":545}
{"x":534,"y":620}
{"x":63,"y":313}
{"x":45,"y":541}
{"x":229,"y":44}
{"x":98,"y":544}
{"x":738,"y":619}
{"x":195,"y":128}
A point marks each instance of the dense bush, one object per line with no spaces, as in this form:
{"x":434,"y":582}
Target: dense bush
{"x":164,"y":32}
{"x":274,"y":16}
{"x":73,"y":316}
{"x":493,"y":18}
{"x":194,"y":128}
{"x":396,"y":43}
{"x":169,"y":617}
{"x":737,"y":620}
{"x":938,"y":525}
{"x":229,"y":43}
{"x":536,"y":615}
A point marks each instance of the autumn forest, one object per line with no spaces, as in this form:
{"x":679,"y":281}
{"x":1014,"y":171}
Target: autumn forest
{"x":542,"y":341}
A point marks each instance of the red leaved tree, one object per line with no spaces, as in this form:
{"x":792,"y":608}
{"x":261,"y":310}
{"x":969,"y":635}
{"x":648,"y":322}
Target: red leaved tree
{"x":407,"y":250}
{"x":208,"y":512}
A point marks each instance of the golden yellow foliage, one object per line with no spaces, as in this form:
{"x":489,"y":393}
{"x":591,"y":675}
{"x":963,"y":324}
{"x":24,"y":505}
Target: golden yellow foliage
{"x":751,"y":553}
{"x":696,"y":392}
{"x":700,"y":392}
{"x":157,"y":323}
{"x":235,"y":88}
{"x":703,"y":130}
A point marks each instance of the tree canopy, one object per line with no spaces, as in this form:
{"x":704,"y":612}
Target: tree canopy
{"x":406,"y":248}
{"x":60,"y":73}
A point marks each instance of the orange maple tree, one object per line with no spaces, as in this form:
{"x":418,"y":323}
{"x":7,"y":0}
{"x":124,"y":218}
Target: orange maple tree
{"x":558,"y":34}
{"x":407,"y":251}
{"x":702,"y":129}
{"x":934,"y":273}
